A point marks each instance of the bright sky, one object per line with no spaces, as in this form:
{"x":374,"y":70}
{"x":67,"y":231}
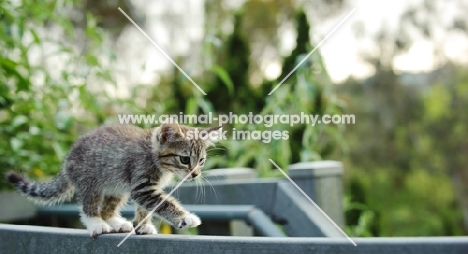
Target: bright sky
{"x":340,"y":51}
{"x":182,"y":36}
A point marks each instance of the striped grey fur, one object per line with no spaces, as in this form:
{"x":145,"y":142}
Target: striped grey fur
{"x":109,"y":164}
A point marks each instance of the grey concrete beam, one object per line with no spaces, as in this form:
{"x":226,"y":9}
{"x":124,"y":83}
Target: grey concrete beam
{"x":230,"y":173}
{"x":260,"y":193}
{"x":33,"y":239}
{"x":315,"y":169}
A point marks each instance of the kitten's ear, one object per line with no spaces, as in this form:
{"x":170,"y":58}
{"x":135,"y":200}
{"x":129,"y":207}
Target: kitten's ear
{"x":212,"y":137}
{"x":170,"y":131}
{"x":170,"y":120}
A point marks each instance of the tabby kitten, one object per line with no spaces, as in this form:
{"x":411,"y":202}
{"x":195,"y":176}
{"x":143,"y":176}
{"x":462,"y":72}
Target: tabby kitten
{"x":111,"y":163}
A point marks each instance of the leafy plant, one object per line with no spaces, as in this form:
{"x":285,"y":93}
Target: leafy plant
{"x":45,"y":82}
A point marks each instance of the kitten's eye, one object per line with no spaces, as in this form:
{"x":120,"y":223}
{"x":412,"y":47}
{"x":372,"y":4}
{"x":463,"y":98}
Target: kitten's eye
{"x":202,"y":161}
{"x":184,"y":159}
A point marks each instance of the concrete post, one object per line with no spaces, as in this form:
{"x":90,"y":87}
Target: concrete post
{"x":230,"y":174}
{"x":322,"y":181}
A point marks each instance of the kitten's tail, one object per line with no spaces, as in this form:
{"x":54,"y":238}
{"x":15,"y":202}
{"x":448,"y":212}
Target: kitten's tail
{"x":56,"y":191}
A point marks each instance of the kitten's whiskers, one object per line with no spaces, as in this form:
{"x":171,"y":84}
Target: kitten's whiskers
{"x":214,"y":190}
{"x":197,"y":184}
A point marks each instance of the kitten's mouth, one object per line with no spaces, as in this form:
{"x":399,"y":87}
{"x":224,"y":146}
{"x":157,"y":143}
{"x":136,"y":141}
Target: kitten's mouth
{"x":191,"y":178}
{"x":187,"y":179}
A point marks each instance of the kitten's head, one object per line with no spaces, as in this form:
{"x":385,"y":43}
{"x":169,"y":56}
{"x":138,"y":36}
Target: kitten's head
{"x":182,"y":149}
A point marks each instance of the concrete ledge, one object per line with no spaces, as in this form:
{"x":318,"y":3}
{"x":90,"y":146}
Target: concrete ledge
{"x":230,"y":174}
{"x":33,"y":239}
{"x":315,"y":169}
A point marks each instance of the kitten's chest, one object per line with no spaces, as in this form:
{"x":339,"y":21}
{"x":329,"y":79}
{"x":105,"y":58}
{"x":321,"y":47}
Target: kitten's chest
{"x":165,"y":179}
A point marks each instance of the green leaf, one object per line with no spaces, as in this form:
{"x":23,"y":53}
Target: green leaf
{"x":59,"y":151}
{"x":92,"y":60}
{"x":11,"y":68}
{"x":35,"y":36}
{"x":224,"y":76}
{"x":19,"y":120}
{"x":205,"y":105}
{"x":191,"y":107}
{"x":339,"y":138}
{"x":16,"y":144}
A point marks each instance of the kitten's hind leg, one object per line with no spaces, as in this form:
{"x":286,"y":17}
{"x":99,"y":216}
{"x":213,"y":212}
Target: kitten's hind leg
{"x":110,"y":213}
{"x":147,"y":227}
{"x":90,"y":215}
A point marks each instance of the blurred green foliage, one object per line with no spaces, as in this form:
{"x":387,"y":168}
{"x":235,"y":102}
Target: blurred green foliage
{"x":408,"y":175}
{"x":45,"y":109}
{"x":36,"y":99}
{"x":306,"y":93}
{"x":408,"y":165}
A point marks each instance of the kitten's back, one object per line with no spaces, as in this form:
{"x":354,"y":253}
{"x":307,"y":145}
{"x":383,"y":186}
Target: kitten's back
{"x":107,"y":154}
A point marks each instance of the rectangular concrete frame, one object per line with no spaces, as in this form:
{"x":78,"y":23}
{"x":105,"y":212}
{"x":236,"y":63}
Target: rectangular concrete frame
{"x":277,"y":198}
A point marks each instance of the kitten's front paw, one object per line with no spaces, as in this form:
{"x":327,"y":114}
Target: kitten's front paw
{"x":190,"y":220}
{"x":99,"y":229}
{"x":120,"y":225}
{"x":146,"y":229}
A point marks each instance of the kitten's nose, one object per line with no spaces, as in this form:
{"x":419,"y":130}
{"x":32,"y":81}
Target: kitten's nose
{"x":194,"y":174}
